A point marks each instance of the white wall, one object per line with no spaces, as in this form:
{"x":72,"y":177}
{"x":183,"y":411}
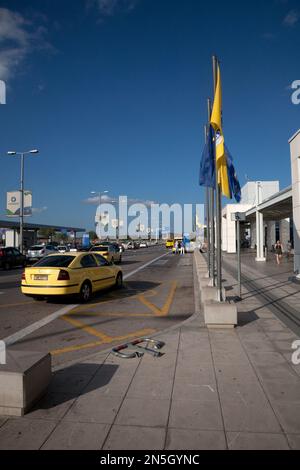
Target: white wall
{"x":11,"y":238}
{"x":268,"y":188}
{"x":229,"y":227}
{"x":295,"y":164}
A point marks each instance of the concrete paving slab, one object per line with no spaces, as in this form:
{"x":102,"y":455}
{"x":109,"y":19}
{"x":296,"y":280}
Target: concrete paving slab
{"x":94,"y":408}
{"x":235,"y":373}
{"x":200,"y":357}
{"x":135,"y":438}
{"x":246,"y":392}
{"x":3,"y":420}
{"x":259,"y":346}
{"x":138,"y":412}
{"x":282,"y":392}
{"x":289,"y":416}
{"x":192,"y":414}
{"x":53,"y":406}
{"x":68,"y":382}
{"x":221,"y":357}
{"x":110,"y":385}
{"x":294,"y":441}
{"x":249,"y":416}
{"x":182,"y":439}
{"x":283,"y":346}
{"x":282,"y":373}
{"x":198,"y":375}
{"x":150,"y":387}
{"x":184,"y":390}
{"x":77,"y":436}
{"x":25,"y":434}
{"x":157,"y":372}
{"x":256,"y":441}
{"x":267,"y":358}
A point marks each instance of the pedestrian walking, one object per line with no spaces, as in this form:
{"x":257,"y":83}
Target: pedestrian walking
{"x":182,"y":249}
{"x":278,"y":251}
{"x":176,"y":247}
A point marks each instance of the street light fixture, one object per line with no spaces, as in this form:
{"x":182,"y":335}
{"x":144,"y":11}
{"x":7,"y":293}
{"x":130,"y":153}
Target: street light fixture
{"x":99,"y":193}
{"x":22,"y":155}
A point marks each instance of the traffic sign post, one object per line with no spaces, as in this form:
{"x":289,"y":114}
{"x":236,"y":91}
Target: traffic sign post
{"x":239,"y":217}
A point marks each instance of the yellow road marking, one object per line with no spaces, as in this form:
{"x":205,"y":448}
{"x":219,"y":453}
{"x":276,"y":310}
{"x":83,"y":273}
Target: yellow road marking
{"x":106,"y":339}
{"x":114,"y":314}
{"x":136,"y":334}
{"x":160,"y":312}
{"x":149,"y":293}
{"x":86,"y":328}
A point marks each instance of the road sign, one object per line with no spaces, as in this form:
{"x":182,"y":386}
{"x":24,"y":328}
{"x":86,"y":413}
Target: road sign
{"x":238,"y":217}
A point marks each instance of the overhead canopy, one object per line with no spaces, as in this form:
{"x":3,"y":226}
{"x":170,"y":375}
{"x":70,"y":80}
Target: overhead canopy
{"x":11,"y":224}
{"x":277,"y":207}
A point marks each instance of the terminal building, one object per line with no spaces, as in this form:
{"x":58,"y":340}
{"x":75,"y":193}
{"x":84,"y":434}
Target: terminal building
{"x":270,"y":214}
{"x":10,"y":230}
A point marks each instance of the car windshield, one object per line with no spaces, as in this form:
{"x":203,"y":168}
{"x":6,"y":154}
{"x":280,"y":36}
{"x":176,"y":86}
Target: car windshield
{"x":36,"y":247}
{"x":55,"y":261}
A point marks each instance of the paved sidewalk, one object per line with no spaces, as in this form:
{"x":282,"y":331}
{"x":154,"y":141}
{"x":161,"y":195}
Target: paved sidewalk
{"x":222,"y":389}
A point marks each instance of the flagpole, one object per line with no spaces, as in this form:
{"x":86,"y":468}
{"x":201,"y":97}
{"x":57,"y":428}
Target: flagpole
{"x":218,"y":206}
{"x":208,"y":214}
{"x":212,"y":216}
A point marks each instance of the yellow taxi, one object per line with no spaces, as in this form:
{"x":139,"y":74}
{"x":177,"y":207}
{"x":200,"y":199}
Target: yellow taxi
{"x":169,"y":243}
{"x":110,"y":251}
{"x":80,"y":273}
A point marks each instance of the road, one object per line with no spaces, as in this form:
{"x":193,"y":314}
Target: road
{"x":158,"y":293}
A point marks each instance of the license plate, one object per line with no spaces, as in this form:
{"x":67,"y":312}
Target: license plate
{"x":40,"y":277}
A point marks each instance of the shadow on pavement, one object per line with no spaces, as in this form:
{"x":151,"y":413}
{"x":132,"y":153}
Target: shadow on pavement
{"x":70,"y":382}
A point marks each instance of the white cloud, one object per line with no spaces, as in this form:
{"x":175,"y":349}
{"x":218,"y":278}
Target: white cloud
{"x":292,"y":18}
{"x":112,"y":200}
{"x":18,"y":38}
{"x":111,"y":7}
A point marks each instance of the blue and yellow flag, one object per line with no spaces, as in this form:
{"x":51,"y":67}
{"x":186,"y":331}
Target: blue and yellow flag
{"x":207,"y":165}
{"x":216,"y":122}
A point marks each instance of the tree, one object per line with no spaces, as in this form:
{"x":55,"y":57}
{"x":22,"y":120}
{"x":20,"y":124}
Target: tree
{"x":46,"y":232}
{"x":93,"y":235}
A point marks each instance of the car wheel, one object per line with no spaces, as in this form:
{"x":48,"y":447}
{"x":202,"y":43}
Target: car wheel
{"x":119,"y":281}
{"x":85,"y":292}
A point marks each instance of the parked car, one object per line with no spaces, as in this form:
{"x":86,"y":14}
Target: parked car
{"x":143,"y":244}
{"x":133,"y":246}
{"x":10,"y":257}
{"x":36,"y":252}
{"x":62,"y":249}
{"x":110,"y":252}
{"x":68,"y":274}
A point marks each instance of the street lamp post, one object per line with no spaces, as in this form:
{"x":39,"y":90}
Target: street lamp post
{"x":100,"y":195}
{"x":22,"y":155}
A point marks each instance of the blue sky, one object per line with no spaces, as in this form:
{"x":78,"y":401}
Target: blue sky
{"x":113,"y":94}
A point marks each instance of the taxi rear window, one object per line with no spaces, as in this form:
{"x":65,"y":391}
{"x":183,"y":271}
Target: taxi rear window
{"x":55,"y":261}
